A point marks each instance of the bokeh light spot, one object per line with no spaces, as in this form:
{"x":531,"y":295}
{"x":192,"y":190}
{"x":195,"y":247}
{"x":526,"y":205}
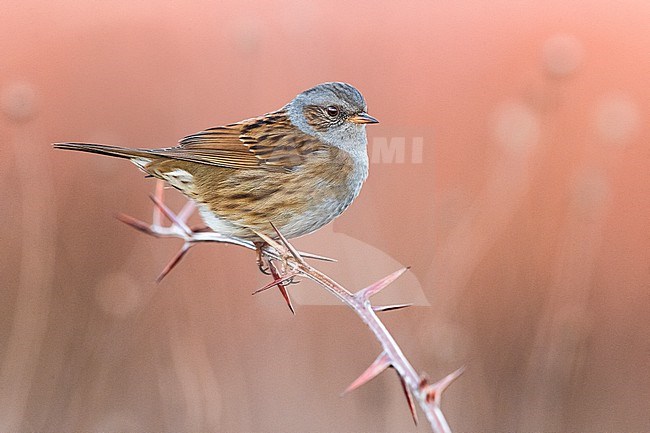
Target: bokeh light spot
{"x":616,"y":118}
{"x":18,"y":100}
{"x":562,"y":55}
{"x":516,"y":127}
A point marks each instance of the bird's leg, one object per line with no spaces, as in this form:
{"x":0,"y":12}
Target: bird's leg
{"x":269,"y":266}
{"x":263,"y":263}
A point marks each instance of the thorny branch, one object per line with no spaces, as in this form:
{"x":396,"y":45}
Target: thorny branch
{"x":285,"y":264}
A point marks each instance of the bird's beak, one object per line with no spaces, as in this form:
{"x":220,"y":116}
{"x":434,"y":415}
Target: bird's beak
{"x":362,"y":118}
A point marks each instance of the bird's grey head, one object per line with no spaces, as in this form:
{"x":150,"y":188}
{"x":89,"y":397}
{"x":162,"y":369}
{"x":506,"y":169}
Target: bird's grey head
{"x":333,"y":112}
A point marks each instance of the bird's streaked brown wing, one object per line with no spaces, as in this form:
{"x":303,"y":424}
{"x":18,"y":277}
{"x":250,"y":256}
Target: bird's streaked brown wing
{"x":265,"y":142}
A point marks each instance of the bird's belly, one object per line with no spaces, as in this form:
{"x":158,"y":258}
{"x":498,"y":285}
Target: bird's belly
{"x":313,"y":217}
{"x":293,"y":216}
{"x":242,"y":202}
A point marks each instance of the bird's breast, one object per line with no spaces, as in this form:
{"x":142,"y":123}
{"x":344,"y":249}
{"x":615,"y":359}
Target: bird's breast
{"x":327,"y":185}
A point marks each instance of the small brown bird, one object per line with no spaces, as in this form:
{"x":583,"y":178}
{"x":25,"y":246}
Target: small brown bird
{"x":298,"y":167}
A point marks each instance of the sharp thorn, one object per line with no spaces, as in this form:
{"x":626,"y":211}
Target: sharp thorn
{"x":272,"y":242}
{"x":378,"y":286}
{"x":274,"y":283}
{"x":174,"y":261}
{"x":317,"y":257}
{"x":433,"y":392}
{"x":187,"y":211}
{"x":159,"y":193}
{"x":171,"y":216}
{"x":281,"y":287}
{"x":409,"y":399}
{"x":285,"y":295}
{"x":136,"y":224}
{"x":287,"y":244}
{"x":379,"y":308}
{"x":380,"y":364}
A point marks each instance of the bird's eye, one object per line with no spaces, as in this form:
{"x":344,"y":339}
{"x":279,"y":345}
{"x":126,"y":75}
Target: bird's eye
{"x":332,"y":111}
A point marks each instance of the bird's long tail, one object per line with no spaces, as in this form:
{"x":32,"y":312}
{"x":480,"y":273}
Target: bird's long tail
{"x":102,"y":149}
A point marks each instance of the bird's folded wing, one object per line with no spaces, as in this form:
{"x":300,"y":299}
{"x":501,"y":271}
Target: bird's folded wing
{"x":265,"y":142}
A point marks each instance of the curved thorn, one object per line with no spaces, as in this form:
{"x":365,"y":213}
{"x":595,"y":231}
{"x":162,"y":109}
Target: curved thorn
{"x":380,"y":364}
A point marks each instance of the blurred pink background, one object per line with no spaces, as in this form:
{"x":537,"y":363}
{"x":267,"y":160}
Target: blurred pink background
{"x":525,"y":219}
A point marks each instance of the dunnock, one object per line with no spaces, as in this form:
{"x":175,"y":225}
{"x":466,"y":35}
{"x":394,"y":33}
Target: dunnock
{"x":298,"y":167}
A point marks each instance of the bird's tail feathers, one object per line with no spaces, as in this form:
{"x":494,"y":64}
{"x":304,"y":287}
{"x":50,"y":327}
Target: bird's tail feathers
{"x":102,"y":149}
